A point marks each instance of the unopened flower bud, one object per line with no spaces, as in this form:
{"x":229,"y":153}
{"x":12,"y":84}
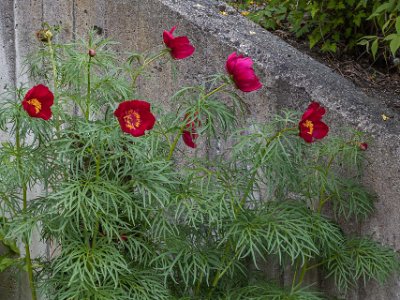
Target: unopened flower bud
{"x":363,"y":146}
{"x":92,"y":52}
{"x":44,"y":35}
{"x":48,"y":35}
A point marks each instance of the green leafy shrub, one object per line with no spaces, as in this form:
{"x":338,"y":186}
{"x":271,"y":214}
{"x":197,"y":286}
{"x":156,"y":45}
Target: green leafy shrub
{"x":335,"y":25}
{"x":136,"y":215}
{"x":385,"y":40}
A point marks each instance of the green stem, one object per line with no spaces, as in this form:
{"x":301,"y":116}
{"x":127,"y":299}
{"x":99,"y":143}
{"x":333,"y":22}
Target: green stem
{"x":55,"y":84}
{"x":87,"y":113}
{"x":250,"y":184}
{"x":9,"y":204}
{"x":220,"y":273}
{"x":198,"y":286}
{"x":28,"y":259}
{"x":295,"y":275}
{"x":175,"y":142}
{"x":150,"y":60}
{"x":95,"y":233}
{"x":302,"y":274}
{"x":316,"y":265}
{"x":215,"y":90}
{"x":145,"y":64}
{"x":322,"y":199}
{"x":54,"y":68}
{"x":28,"y":250}
{"x":253,"y":175}
{"x":162,"y":131}
{"x":96,"y":226}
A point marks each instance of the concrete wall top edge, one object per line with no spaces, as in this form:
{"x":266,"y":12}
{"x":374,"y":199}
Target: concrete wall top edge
{"x":281,"y":61}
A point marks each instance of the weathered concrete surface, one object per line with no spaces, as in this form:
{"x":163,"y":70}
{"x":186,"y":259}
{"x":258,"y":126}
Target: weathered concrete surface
{"x":7,"y":46}
{"x":291,"y":79}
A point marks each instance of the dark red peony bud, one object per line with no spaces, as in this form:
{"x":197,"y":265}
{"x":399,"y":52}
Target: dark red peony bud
{"x":92,"y":52}
{"x":363,"y":146}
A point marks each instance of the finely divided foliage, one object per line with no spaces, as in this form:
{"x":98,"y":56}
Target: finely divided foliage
{"x":129,"y":211}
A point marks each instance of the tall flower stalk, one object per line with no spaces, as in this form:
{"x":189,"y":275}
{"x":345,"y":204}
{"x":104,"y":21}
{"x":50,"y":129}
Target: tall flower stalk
{"x":22,"y":177}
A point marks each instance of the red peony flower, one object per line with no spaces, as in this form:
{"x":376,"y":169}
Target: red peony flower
{"x":311,"y":127}
{"x":37,"y":102}
{"x":135,"y":117}
{"x":241,"y":70}
{"x":179,"y":46}
{"x":189,"y":135}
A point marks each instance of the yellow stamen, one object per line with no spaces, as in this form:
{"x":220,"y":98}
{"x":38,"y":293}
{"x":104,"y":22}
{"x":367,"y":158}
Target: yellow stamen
{"x":310,"y":125}
{"x":132,"y":119}
{"x":35,"y":103}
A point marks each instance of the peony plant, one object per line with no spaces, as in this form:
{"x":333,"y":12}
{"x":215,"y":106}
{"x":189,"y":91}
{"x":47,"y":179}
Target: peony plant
{"x":130,"y":207}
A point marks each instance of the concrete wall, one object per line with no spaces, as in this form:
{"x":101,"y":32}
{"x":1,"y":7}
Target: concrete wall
{"x":291,"y":79}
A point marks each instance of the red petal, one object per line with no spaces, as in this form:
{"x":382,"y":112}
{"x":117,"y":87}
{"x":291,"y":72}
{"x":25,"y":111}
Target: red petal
{"x":182,"y":52}
{"x":42,"y":93}
{"x":45,"y":114}
{"x":181,"y":47}
{"x":30,"y":109}
{"x":243,"y":63}
{"x":231,"y":62}
{"x":148,"y":120}
{"x":172,"y":30}
{"x":307,"y":137}
{"x":167,"y":37}
{"x":137,"y":132}
{"x":180,"y":41}
{"x":188,"y":138}
{"x":123,"y":107}
{"x":314,"y":112}
{"x":247,"y":81}
{"x":140,"y":104}
{"x":249,"y":86}
{"x":320,"y":130}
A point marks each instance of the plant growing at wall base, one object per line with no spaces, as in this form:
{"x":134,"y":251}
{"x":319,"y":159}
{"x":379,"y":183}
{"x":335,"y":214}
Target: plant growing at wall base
{"x":133,"y":208}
